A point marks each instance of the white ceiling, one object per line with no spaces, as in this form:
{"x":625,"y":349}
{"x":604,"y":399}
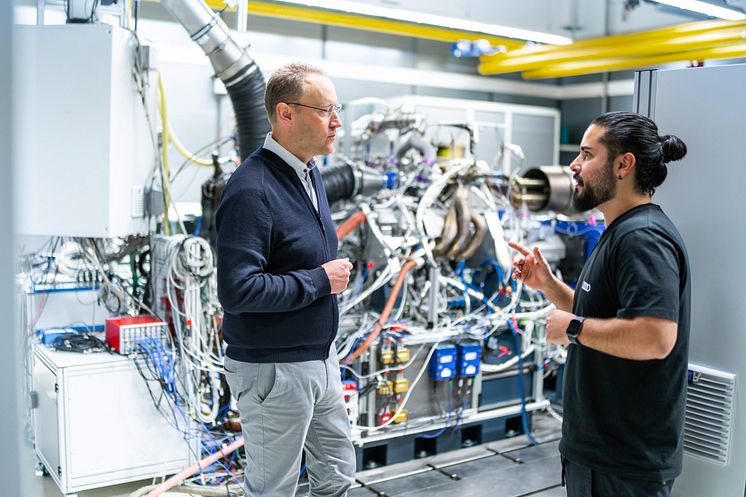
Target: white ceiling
{"x":574,"y":18}
{"x":584,"y":18}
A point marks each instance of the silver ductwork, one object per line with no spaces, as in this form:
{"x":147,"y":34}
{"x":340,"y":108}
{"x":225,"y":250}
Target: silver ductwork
{"x":209,"y":31}
{"x":235,"y":68}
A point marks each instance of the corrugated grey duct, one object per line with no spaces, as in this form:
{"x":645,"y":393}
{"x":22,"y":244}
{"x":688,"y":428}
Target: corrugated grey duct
{"x":234,"y":67}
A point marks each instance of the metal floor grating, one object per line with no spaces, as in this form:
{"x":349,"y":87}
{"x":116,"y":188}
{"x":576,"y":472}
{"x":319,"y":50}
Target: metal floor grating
{"x":507,"y":468}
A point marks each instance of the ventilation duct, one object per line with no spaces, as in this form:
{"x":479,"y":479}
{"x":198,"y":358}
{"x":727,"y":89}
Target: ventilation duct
{"x":234,"y":67}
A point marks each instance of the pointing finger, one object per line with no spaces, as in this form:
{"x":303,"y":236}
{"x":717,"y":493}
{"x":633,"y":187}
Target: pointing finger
{"x":518,"y":247}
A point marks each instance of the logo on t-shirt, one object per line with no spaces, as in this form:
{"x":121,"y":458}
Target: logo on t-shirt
{"x":586,"y":286}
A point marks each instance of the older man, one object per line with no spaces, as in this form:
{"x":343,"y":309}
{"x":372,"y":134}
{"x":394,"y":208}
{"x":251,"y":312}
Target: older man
{"x":278,"y":276}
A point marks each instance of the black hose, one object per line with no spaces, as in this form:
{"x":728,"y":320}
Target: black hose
{"x":247,"y":97}
{"x":212,"y":191}
{"x":339,"y":182}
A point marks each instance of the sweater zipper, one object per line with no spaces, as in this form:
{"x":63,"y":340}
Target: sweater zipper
{"x":317,"y":210}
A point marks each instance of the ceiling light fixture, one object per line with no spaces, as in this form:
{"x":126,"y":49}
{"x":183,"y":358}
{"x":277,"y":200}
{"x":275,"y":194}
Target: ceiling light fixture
{"x":707,"y":9}
{"x":432,"y":20}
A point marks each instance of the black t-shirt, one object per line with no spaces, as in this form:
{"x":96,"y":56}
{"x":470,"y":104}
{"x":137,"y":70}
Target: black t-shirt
{"x":621,"y":416}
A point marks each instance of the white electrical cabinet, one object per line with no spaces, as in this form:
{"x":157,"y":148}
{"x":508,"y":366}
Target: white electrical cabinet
{"x":95,"y":423}
{"x":702,"y":194}
{"x":84,"y":147}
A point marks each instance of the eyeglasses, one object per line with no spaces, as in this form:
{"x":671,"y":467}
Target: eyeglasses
{"x":329,"y":110}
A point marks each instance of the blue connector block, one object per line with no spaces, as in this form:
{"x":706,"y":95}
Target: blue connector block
{"x":469,"y":355}
{"x":443,"y":363}
{"x":392,"y":178}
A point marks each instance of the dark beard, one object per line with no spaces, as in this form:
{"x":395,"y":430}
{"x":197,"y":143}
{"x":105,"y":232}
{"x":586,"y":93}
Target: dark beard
{"x":594,"y":195}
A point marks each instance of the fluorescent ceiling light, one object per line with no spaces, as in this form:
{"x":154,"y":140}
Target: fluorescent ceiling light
{"x":707,"y":9}
{"x":432,"y":20}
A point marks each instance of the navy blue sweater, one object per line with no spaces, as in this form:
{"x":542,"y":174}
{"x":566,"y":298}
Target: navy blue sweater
{"x":271,"y":244}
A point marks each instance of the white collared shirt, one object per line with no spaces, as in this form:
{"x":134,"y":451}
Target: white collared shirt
{"x":303,"y":170}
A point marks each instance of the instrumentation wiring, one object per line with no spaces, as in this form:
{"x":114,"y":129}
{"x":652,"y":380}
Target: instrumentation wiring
{"x":430,"y":285}
{"x":457,"y":216}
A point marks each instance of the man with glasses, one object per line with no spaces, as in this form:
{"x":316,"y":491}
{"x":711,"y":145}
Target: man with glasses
{"x":278,"y":276}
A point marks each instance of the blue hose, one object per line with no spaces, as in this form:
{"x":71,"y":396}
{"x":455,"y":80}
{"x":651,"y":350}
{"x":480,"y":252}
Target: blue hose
{"x":519,"y":352}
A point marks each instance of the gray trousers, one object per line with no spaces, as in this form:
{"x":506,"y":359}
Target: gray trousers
{"x":286,"y":407}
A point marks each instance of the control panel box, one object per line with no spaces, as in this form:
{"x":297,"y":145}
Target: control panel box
{"x":443,"y":363}
{"x":84,"y":147}
{"x":124,"y":333}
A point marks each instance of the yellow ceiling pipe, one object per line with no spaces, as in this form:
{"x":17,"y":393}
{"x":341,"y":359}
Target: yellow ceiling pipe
{"x":650,"y":48}
{"x":375,"y":24}
{"x":566,"y":69}
{"x":620,"y":39}
{"x":219,"y":5}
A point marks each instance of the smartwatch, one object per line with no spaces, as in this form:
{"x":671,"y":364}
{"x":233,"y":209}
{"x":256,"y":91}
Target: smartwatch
{"x":574,"y":329}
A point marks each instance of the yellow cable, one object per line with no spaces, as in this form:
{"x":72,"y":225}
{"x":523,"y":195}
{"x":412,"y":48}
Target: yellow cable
{"x":164,"y":153}
{"x":184,"y":152}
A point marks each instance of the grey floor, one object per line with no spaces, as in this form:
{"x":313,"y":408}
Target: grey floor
{"x":508,"y":468}
{"x":488,"y":470}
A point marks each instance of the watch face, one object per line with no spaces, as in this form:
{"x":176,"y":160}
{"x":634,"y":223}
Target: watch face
{"x":573,"y":329}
